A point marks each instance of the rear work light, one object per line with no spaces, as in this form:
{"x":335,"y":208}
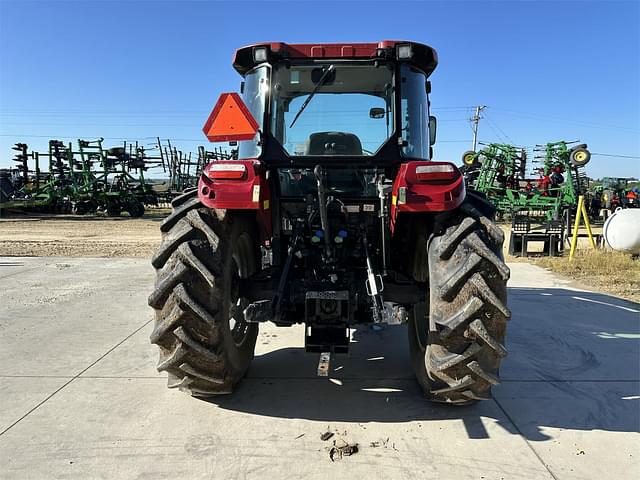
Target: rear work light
{"x":227,"y":171}
{"x":437,"y":172}
{"x":260,"y":54}
{"x":404,"y":52}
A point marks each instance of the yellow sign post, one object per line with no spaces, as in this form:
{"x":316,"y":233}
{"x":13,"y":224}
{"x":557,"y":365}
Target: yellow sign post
{"x":581,"y":212}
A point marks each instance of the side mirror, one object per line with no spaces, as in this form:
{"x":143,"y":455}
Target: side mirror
{"x":376,"y":112}
{"x":433,"y":124}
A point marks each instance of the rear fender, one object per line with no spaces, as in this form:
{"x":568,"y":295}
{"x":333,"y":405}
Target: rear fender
{"x":250,"y":192}
{"x":413,"y":195}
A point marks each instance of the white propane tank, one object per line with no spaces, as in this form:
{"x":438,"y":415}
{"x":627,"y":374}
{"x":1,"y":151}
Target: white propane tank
{"x":622,"y":230}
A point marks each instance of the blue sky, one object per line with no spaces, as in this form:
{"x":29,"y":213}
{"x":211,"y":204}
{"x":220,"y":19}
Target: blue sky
{"x":546,"y":70}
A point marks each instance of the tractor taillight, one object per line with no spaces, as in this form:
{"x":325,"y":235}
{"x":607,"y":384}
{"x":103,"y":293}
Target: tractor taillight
{"x":227,"y":171}
{"x":436,"y":172}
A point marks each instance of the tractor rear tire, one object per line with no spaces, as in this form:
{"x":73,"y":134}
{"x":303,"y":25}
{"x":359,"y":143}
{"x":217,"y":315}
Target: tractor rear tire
{"x":456,"y":338}
{"x":205,"y":344}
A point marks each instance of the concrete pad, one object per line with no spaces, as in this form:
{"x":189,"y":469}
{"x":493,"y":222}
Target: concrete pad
{"x":581,"y":430}
{"x":380,"y":354}
{"x":280,"y":353}
{"x":19,"y":395}
{"x":133,"y":358}
{"x":136,"y":428}
{"x":561,"y":334}
{"x":531,"y":276}
{"x":570,"y":385}
{"x":57,"y":316}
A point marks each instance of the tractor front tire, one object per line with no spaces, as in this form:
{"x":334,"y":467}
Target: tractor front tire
{"x":456,"y":337}
{"x":205,"y":344}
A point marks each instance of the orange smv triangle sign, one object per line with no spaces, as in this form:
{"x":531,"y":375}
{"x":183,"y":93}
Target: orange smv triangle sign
{"x":230,"y":120}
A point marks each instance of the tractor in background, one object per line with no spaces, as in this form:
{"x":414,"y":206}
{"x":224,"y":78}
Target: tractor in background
{"x":614,"y":192}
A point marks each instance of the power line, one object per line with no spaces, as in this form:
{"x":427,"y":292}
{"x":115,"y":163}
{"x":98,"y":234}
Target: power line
{"x":497,"y":134}
{"x":614,"y":155}
{"x":502,"y":132}
{"x":85,"y":124}
{"x":205,"y":141}
{"x":537,"y":116}
{"x":531,"y":149}
{"x":202,"y":140}
{"x":152,"y":113}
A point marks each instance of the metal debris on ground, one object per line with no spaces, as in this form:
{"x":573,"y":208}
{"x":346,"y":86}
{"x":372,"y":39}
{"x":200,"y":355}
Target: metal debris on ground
{"x":326,"y":436}
{"x":323,"y":364}
{"x":380,"y":443}
{"x":342,"y":449}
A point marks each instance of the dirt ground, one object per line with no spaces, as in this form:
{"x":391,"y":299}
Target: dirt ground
{"x":99,"y":236}
{"x":611,"y":272}
{"x":73,"y":236}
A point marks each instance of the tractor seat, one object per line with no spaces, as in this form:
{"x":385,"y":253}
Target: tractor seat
{"x":333,"y":143}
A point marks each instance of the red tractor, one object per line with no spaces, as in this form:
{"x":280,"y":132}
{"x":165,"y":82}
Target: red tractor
{"x":333,"y":214}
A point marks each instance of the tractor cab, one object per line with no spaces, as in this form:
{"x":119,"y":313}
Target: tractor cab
{"x":368,"y":102}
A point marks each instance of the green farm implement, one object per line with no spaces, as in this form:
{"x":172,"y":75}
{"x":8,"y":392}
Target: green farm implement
{"x":498,"y":171}
{"x":540,"y":207}
{"x":93,"y":178}
{"x":87,"y":180}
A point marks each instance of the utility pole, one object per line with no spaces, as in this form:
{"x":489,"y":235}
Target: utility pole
{"x":474,"y":121}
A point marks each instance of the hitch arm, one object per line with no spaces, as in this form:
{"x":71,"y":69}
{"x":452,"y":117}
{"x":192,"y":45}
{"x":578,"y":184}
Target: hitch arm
{"x":373,"y":284}
{"x":277,"y":298}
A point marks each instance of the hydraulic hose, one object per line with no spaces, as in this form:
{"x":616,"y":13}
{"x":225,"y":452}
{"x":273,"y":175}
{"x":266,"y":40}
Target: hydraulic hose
{"x":322,"y":206}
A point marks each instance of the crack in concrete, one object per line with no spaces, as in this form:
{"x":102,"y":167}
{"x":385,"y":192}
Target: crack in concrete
{"x":74,"y":378}
{"x":524,"y":438}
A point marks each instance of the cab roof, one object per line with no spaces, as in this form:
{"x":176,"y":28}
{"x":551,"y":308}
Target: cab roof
{"x":419,"y":55}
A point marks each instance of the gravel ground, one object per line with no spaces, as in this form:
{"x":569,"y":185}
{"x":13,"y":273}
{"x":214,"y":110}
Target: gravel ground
{"x":97,"y":236}
{"x":73,"y":236}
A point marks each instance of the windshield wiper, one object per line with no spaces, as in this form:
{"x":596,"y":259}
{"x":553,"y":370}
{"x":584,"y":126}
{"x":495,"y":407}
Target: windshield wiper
{"x":323,"y":79}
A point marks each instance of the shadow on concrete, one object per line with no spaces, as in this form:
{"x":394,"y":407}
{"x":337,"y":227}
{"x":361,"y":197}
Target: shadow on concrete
{"x":574,"y":363}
